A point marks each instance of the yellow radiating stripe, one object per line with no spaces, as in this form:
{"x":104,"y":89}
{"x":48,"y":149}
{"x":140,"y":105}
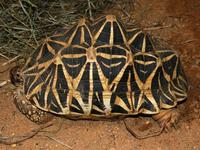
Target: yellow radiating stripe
{"x":73,"y":55}
{"x":72,"y":36}
{"x":103,"y":79}
{"x":107,"y":66}
{"x":46,"y":93}
{"x":41,"y":50}
{"x":37,"y":86}
{"x":121,"y":103}
{"x":106,"y":56}
{"x":149,"y":80}
{"x":73,"y":66}
{"x":67,"y":76}
{"x":146,"y":54}
{"x":89,"y":32}
{"x":130,"y":101}
{"x":178,"y":89}
{"x":144,"y":44}
{"x":106,"y":102}
{"x":144,"y":62}
{"x":132,"y":29}
{"x":55,"y":92}
{"x":168,"y":58}
{"x":50,"y":49}
{"x":84,"y":106}
{"x":129,"y":82}
{"x":160,"y":88}
{"x":118,"y":77}
{"x":35,"y":90}
{"x":91,"y":82}
{"x":64,"y":44}
{"x":46,"y":64}
{"x":167,"y":77}
{"x":150,"y":97}
{"x":79,"y":46}
{"x":82,"y":35}
{"x":97,"y":109}
{"x":109,"y":56}
{"x":116,"y":64}
{"x":72,"y":105}
{"x":183,"y":80}
{"x":55,"y":78}
{"x":126,"y":49}
{"x":122,"y":33}
{"x":137,"y":79}
{"x":78,"y":78}
{"x":133,"y":38}
{"x":175,"y":70}
{"x":69,"y":102}
{"x":31,"y":68}
{"x":99,"y":32}
{"x":91,"y":77}
{"x":111,"y":34}
{"x":140,"y":100}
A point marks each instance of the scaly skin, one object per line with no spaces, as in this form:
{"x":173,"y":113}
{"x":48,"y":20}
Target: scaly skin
{"x":167,"y":118}
{"x":32,"y":112}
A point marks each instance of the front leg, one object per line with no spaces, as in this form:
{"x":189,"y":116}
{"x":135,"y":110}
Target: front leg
{"x":32,"y":112}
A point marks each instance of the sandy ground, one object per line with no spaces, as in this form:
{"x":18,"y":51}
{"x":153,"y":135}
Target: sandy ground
{"x":181,"y":29}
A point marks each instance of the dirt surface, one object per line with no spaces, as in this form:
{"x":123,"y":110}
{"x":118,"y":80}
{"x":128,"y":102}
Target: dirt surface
{"x":180,"y":20}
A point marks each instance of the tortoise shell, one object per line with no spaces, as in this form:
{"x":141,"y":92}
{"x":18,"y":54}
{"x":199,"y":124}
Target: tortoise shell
{"x":103,"y":69}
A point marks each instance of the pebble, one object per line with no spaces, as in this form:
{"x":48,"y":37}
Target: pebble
{"x":194,"y":147}
{"x":13,"y":145}
{"x":147,"y":122}
{"x":187,"y":127}
{"x":196,"y":110}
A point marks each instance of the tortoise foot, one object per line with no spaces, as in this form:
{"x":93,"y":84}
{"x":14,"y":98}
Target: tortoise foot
{"x":167,"y":118}
{"x":30,"y":111}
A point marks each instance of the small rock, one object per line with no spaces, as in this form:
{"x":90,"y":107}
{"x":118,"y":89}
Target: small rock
{"x":196,"y":110}
{"x":147,"y":122}
{"x":13,"y":145}
{"x":194,"y":147}
{"x":187,"y":127}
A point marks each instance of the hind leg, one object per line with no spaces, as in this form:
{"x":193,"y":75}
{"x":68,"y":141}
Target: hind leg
{"x":30,"y":111}
{"x":167,"y":118}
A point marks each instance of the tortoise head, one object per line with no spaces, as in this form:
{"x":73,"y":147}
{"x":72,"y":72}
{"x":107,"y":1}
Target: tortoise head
{"x":15,"y":75}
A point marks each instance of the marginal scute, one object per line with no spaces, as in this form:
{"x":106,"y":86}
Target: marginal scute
{"x":103,"y":70}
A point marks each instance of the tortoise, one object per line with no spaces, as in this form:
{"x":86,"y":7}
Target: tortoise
{"x":100,"y":70}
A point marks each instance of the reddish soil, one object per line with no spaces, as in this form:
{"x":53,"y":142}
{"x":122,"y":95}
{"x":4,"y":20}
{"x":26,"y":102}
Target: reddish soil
{"x":181,"y":21}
